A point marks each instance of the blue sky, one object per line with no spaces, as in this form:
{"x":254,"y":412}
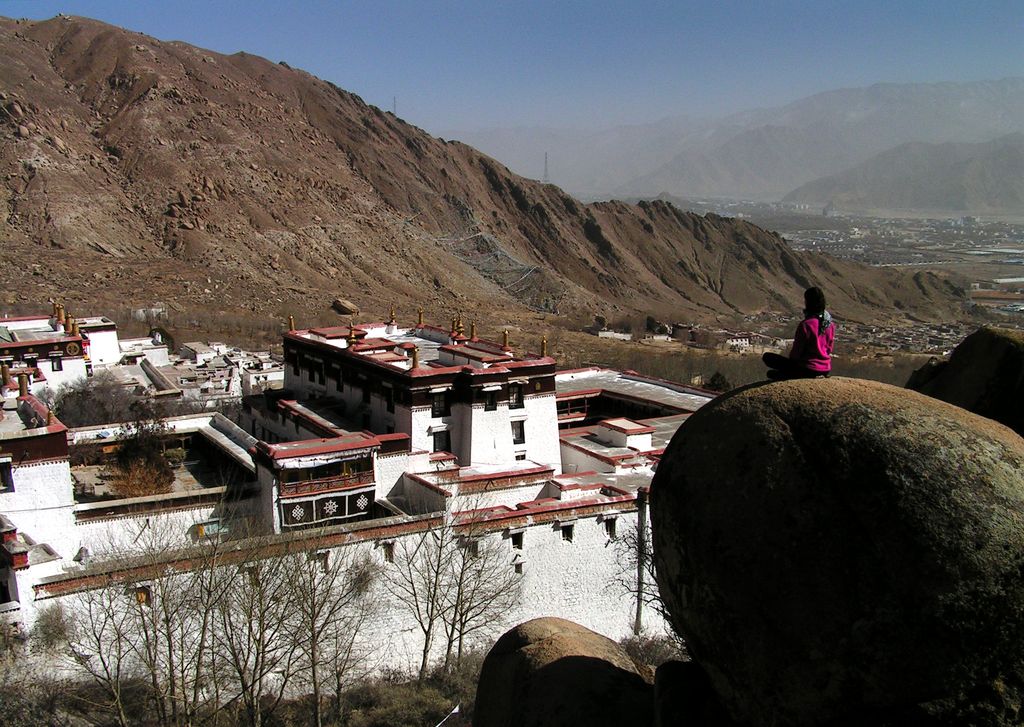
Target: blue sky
{"x":468,"y":65}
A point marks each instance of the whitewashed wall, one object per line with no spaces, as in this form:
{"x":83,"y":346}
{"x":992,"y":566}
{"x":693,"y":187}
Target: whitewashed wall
{"x":542,"y":430}
{"x":42,"y":503}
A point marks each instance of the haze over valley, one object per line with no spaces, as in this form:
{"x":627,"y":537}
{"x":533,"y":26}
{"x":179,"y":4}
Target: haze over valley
{"x":767,"y":154}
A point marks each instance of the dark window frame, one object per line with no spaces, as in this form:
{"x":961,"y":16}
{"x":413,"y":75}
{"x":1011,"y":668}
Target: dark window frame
{"x":442,"y":441}
{"x":518,"y":431}
{"x":440,"y":404}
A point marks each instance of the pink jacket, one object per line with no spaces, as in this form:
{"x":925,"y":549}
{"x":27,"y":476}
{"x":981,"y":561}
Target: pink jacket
{"x":813,"y":348}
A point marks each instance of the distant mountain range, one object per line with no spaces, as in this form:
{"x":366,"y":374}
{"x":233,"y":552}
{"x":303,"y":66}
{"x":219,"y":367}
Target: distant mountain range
{"x":766,"y":153}
{"x":985,"y":177}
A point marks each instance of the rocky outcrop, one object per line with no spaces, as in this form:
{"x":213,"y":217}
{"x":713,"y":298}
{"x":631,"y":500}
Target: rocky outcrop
{"x":549,"y":672}
{"x":984,"y":374}
{"x":845,"y":552}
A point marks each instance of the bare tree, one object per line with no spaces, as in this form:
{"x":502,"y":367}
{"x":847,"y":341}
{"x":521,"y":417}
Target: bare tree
{"x":101,"y":399}
{"x":253,"y":629}
{"x":100,"y":642}
{"x":331,"y":598}
{"x":482,"y":586}
{"x":637,"y":576}
{"x":174,"y":613}
{"x":454,"y":581}
{"x":419,"y":578}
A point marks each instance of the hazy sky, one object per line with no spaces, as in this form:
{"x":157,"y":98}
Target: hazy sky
{"x":467,"y":65}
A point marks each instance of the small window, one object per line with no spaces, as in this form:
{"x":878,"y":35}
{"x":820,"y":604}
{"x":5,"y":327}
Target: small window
{"x":6,"y":477}
{"x":519,"y":568}
{"x":56,"y":363}
{"x":439,"y":405}
{"x":366,"y":392}
{"x":443,"y":441}
{"x":609,"y":528}
{"x":143,"y":596}
{"x":389,"y":398}
{"x":295,"y":367}
{"x":388,"y":550}
{"x":518,"y":432}
{"x":311,"y":374}
{"x":490,"y":400}
{"x":321,"y":559}
{"x":517,"y":541}
{"x":320,"y":377}
{"x":567,"y":533}
{"x":473,"y":548}
{"x":515,"y":396}
{"x":521,"y":457}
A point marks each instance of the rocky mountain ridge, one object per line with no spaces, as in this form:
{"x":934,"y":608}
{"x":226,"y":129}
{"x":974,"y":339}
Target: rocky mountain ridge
{"x":136,"y":170}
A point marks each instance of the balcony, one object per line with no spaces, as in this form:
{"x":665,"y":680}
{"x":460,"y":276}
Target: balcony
{"x":326,"y":484}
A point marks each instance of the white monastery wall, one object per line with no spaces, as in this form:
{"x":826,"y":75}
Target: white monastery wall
{"x":487,"y":437}
{"x":104,"y":348}
{"x":171,"y":529}
{"x":388,"y":470}
{"x":542,"y":430}
{"x":41,"y":504}
{"x":576,"y":460}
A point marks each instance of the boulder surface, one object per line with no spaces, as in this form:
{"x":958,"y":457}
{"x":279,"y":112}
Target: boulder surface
{"x":839,"y":551}
{"x":550,"y":672}
{"x":984,"y":374}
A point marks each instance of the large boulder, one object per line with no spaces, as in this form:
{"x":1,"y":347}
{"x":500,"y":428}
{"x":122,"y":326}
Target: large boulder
{"x":984,"y":374}
{"x":846,"y":552}
{"x":550,"y":672}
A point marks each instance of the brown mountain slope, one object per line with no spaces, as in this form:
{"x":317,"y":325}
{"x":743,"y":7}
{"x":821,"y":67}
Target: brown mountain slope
{"x":137,"y":170}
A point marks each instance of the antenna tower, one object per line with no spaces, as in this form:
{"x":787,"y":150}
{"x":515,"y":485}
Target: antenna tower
{"x":546,"y":179}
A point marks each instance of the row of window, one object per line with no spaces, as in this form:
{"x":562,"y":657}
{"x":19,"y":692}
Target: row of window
{"x":440,"y":405}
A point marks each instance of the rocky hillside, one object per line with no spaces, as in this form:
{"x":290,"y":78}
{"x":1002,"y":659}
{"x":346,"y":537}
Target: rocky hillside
{"x":135,"y":170}
{"x":986,"y":178}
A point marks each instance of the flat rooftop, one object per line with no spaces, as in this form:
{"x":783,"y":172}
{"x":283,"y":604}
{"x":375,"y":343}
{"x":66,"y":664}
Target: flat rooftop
{"x":633,"y":386}
{"x":437,"y":347}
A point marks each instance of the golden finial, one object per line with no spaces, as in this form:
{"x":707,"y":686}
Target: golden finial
{"x":472,"y":330}
{"x":454,"y":329}
{"x":415,"y":357}
{"x":291,"y":323}
{"x":543,"y":346}
{"x":392,"y":319}
{"x":351,"y":333}
{"x":504,"y":338}
{"x":419,"y":313}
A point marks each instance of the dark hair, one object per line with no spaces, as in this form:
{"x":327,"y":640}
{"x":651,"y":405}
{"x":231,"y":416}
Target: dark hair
{"x":814,"y":301}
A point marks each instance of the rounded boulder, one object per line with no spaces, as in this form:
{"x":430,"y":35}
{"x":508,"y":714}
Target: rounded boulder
{"x":984,"y":374}
{"x":550,"y":672}
{"x":838,"y":551}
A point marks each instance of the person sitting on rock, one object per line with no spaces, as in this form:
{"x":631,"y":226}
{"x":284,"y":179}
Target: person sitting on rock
{"x":811,"y":355}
